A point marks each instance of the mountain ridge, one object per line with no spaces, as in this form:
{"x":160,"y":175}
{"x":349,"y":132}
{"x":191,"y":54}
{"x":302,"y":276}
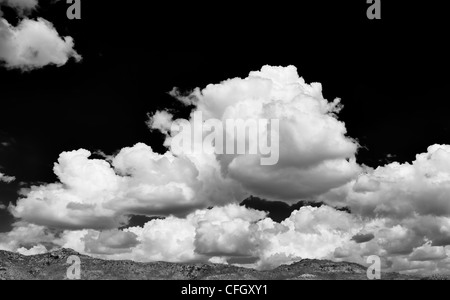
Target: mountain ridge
{"x":53,"y":266}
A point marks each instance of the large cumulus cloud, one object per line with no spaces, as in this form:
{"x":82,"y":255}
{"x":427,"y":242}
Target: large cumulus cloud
{"x":315,"y":155}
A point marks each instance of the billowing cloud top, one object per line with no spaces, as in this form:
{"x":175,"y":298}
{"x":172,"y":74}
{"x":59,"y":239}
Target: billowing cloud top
{"x":399,"y":212}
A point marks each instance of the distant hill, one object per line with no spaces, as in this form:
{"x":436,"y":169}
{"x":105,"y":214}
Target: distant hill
{"x":53,"y":266}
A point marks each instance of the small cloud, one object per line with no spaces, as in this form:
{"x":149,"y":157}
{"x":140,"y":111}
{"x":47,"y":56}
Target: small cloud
{"x":6,"y":179}
{"x":34,"y":44}
{"x":185,"y":98}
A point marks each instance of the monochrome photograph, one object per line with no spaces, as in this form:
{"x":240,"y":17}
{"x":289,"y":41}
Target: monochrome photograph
{"x":236,"y":145}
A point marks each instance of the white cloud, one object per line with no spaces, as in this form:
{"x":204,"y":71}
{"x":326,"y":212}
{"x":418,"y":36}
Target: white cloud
{"x":228,"y":233}
{"x":109,"y":242}
{"x":38,"y":249}
{"x":24,"y":235}
{"x":99,"y":194}
{"x":401,"y":191}
{"x":95,"y":194}
{"x":156,"y":184}
{"x":231,"y":232}
{"x":315,"y":153}
{"x":235,"y":234}
{"x":78,"y":201}
{"x":307,"y":233}
{"x":200,"y":236}
{"x":428,"y":253}
{"x":410,"y":202}
{"x":73,"y":239}
{"x":161,"y":121}
{"x":220,"y":231}
{"x":21,"y":6}
{"x":171,"y":239}
{"x":34,"y":44}
{"x":7,"y":179}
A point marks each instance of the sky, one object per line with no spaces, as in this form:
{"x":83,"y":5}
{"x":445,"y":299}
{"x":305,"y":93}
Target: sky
{"x":87,"y":106}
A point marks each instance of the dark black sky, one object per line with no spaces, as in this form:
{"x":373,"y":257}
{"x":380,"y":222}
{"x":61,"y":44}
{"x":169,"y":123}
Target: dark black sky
{"x":392,"y":74}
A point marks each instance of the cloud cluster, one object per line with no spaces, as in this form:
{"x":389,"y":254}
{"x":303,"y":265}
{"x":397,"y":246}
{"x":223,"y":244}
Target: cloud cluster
{"x":97,"y":194}
{"x":241,"y":235}
{"x":400,"y":191}
{"x":235,"y":234}
{"x":411,"y":200}
{"x":26,"y":236}
{"x":232,"y":233}
{"x":399,"y":212}
{"x":32,"y":44}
